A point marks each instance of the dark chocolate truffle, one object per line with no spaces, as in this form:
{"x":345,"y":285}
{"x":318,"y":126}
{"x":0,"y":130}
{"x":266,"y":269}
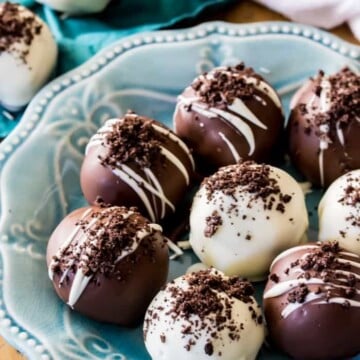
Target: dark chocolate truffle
{"x":324,"y":127}
{"x":136,"y":161}
{"x":108,"y":263}
{"x":227,"y":115}
{"x":312,"y":302}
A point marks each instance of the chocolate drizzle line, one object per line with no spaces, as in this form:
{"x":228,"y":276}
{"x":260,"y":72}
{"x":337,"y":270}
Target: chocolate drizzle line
{"x":322,"y":262}
{"x":344,"y":100}
{"x":203,"y":310}
{"x":225,"y":85}
{"x":105,"y":236}
{"x":17,"y":26}
{"x":325,"y":262}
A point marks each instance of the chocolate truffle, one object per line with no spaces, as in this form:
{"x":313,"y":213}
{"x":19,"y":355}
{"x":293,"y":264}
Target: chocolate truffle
{"x":244,"y":215}
{"x":136,"y":161}
{"x":28,"y":55}
{"x":324,"y":127}
{"x":108,"y":263}
{"x":312,"y":302}
{"x":227,"y":115}
{"x":204,"y":315}
{"x":339,"y":212}
{"x":76,"y":7}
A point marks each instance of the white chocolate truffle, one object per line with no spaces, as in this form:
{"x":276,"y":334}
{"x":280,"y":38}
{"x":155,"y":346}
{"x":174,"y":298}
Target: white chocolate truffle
{"x":339,"y":212}
{"x":244,"y":215}
{"x":204,"y":315}
{"x":74,"y":7}
{"x":28,"y":55}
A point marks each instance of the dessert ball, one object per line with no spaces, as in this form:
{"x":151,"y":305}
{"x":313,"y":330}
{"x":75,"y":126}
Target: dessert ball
{"x":312,"y":302}
{"x":244,"y":215}
{"x":108,"y":263}
{"x":74,"y":7}
{"x":339,"y":212}
{"x":324,"y":127}
{"x":28,"y":55}
{"x":227,"y":115}
{"x":136,"y":161}
{"x":204,"y":315}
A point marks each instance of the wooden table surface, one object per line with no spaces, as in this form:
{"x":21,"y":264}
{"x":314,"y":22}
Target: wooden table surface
{"x":243,"y":12}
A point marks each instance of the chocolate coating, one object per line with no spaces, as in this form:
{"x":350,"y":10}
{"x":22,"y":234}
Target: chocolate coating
{"x":341,"y":201}
{"x":324,"y":127}
{"x":244,"y":215}
{"x":312,"y":302}
{"x":204,"y":315}
{"x":18,"y":26}
{"x":123,"y":257}
{"x":228,"y":115}
{"x":136,"y":161}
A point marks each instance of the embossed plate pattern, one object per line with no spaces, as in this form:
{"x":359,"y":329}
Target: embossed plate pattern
{"x":40,"y":160}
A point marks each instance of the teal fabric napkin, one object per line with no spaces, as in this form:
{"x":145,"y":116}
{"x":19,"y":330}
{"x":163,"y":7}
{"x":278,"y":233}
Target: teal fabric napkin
{"x":79,"y":38}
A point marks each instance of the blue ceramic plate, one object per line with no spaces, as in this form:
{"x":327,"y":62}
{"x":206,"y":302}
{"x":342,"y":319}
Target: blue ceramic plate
{"x":40,"y":160}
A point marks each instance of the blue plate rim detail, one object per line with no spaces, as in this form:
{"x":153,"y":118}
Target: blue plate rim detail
{"x":24,"y":340}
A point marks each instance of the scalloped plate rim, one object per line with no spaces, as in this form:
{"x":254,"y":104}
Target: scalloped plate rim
{"x":32,"y":115}
{"x":214,"y":25}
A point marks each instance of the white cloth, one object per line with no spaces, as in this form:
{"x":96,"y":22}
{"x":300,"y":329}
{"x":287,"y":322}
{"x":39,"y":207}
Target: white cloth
{"x":323,"y":13}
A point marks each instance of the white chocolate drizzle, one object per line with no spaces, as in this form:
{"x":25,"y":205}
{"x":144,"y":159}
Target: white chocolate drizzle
{"x":80,"y":280}
{"x":264,"y":88}
{"x":310,"y":104}
{"x":314,"y":298}
{"x":352,"y":263}
{"x":291,"y":251}
{"x":324,"y":144}
{"x":340,"y":300}
{"x":79,"y":284}
{"x":340,"y":133}
{"x":172,"y":158}
{"x":237,"y":111}
{"x":324,"y":106}
{"x":134,"y":180}
{"x":291,"y":307}
{"x":325,"y":103}
{"x":239,"y":125}
{"x":346,"y":253}
{"x":260,"y":100}
{"x":239,"y":107}
{"x":151,"y":177}
{"x":231,"y":147}
{"x":285,"y":286}
{"x":176,"y":139}
{"x":67,"y":243}
{"x":126,"y":178}
{"x":150,"y":182}
{"x":177,"y":251}
{"x":99,"y":136}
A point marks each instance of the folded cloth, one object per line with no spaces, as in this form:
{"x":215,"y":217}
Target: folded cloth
{"x":323,"y":13}
{"x":79,"y":38}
